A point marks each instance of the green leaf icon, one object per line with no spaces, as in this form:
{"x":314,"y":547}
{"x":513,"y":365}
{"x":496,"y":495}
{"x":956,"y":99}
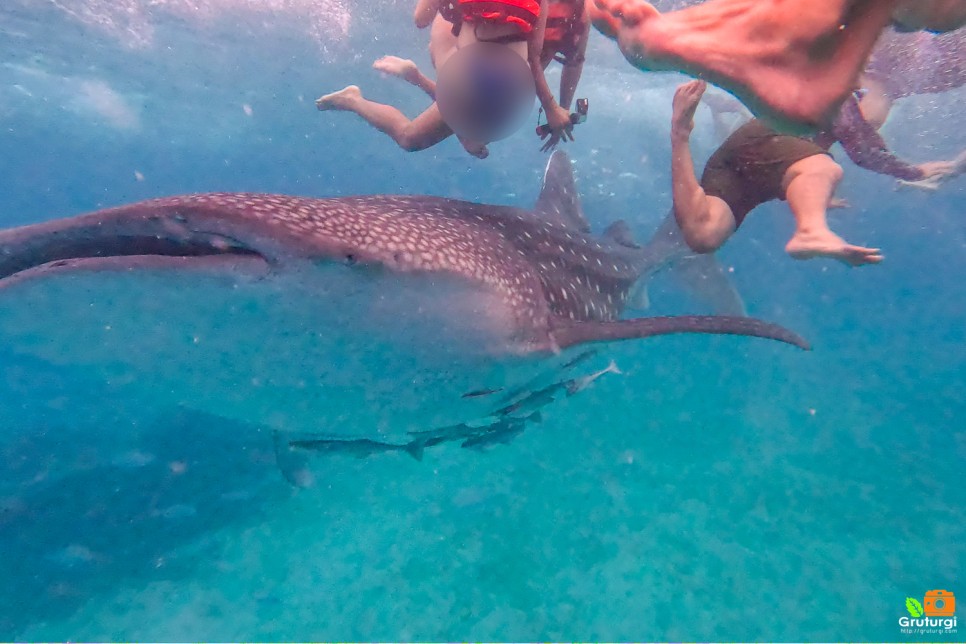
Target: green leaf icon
{"x":914,"y":607}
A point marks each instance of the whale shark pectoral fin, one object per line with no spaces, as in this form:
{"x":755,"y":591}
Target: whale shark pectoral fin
{"x":250,"y":265}
{"x":620,"y":233}
{"x":702,"y":277}
{"x":567,"y":333}
{"x":559,"y":200}
{"x":291,"y":464}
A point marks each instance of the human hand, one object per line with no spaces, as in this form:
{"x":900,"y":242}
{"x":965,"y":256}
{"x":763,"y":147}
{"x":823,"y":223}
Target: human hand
{"x":685,"y":103}
{"x":561,"y":127}
{"x":934,"y":175}
{"x":940,"y":170}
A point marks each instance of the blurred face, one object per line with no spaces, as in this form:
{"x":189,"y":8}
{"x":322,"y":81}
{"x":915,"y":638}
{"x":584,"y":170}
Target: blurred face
{"x":485,"y":92}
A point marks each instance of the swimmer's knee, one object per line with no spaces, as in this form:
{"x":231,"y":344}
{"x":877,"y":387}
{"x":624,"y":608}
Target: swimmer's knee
{"x":411,"y":143}
{"x":702,"y":242}
{"x":703,"y":247}
{"x":828,"y":168}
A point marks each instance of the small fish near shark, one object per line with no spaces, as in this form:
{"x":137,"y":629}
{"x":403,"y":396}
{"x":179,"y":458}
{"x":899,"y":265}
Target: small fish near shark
{"x":500,"y":427}
{"x":551,"y":283}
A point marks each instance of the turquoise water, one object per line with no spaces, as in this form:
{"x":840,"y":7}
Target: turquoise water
{"x":722,"y":488}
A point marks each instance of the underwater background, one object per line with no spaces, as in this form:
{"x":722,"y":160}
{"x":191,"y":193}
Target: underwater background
{"x":722,"y":488}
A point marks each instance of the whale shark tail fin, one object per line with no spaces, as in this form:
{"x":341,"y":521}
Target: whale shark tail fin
{"x":701,"y":276}
{"x":567,"y":333}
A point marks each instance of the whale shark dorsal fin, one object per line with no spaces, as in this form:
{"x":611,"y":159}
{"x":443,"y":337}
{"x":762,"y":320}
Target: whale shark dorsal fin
{"x":620,"y":233}
{"x":558,"y":200}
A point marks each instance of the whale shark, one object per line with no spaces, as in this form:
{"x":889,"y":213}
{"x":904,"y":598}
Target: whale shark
{"x":365,"y":316}
{"x":551,"y":284}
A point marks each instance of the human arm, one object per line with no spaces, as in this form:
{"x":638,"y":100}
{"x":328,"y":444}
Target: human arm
{"x":426,"y":11}
{"x":705,"y":222}
{"x":866,"y":147}
{"x":558,"y":118}
{"x":574,"y":67}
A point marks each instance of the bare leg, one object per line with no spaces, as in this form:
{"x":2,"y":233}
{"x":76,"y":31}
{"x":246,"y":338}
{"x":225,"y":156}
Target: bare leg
{"x":809,"y":185}
{"x":408,"y":71}
{"x":425,"y":131}
{"x":791,"y":61}
{"x":875,"y":104}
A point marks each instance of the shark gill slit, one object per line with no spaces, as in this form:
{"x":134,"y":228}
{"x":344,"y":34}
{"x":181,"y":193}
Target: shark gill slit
{"x":70,"y":248}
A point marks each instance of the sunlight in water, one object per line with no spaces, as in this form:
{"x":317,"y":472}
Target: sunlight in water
{"x":133,"y":21}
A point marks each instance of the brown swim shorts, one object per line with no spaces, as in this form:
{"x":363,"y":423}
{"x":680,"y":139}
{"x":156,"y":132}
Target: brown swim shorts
{"x":747,"y":170}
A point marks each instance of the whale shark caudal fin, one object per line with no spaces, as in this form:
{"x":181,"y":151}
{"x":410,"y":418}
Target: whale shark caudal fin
{"x":567,"y":333}
{"x":559,"y":201}
{"x":701,"y":276}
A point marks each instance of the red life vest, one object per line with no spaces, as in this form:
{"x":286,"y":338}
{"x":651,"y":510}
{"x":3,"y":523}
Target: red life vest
{"x":522,"y":13}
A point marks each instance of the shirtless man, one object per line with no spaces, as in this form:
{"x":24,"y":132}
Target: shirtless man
{"x":791,"y":61}
{"x":755,"y":165}
{"x":558,"y":32}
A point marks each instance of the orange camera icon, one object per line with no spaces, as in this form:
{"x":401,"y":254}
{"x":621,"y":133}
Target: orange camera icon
{"x":939,"y":603}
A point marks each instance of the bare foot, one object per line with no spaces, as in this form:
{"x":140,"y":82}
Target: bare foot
{"x":401,"y":67}
{"x":792,"y":62}
{"x":828,"y":244}
{"x":479,"y":150}
{"x":626,"y":13}
{"x":686,"y":99}
{"x":611,"y":17}
{"x":341,"y":100}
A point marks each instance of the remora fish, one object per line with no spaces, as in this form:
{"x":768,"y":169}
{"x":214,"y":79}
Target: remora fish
{"x":357,"y":447}
{"x":551,"y":283}
{"x":577,"y":385}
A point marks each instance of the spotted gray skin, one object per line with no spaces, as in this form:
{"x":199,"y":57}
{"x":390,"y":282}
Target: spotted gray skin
{"x":561,"y":285}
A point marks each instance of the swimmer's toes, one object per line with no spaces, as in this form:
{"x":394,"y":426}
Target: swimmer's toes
{"x":605,"y":22}
{"x":860,"y":256}
{"x":630,"y":12}
{"x":339,"y":100}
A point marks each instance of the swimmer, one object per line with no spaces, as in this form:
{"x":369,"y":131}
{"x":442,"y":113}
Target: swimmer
{"x":755,"y":165}
{"x":792,"y":62}
{"x":911,"y":64}
{"x":860,"y":138}
{"x":538,"y":31}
